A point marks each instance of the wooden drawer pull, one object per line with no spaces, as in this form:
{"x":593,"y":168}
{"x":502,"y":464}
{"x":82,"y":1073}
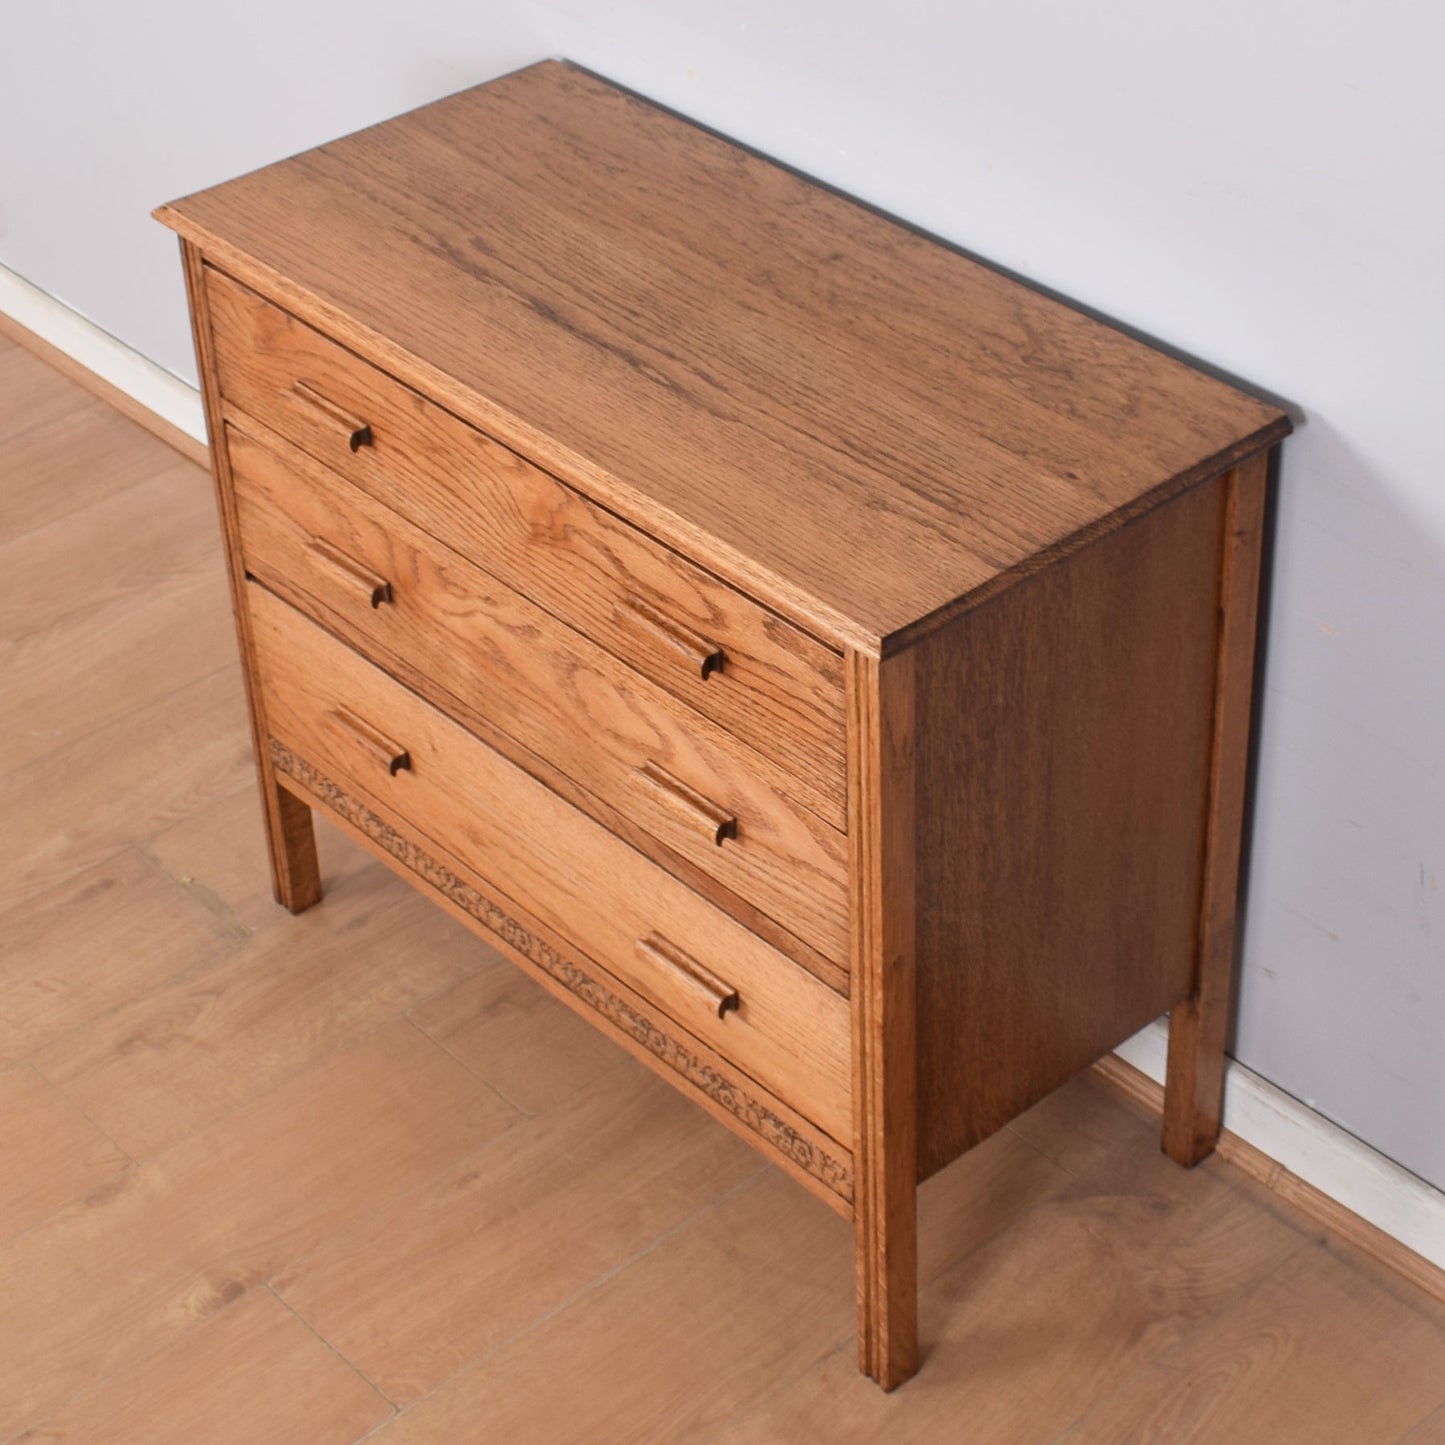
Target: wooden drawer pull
{"x":658,"y":950}
{"x":706,"y":656}
{"x":393,"y":758}
{"x":690,"y":805}
{"x":358,"y":432}
{"x":352,"y":572}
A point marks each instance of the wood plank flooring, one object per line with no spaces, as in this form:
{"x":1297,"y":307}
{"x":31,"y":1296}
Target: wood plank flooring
{"x":350,"y":1176}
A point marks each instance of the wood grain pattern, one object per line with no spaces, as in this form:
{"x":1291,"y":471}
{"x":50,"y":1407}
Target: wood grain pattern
{"x":477,"y":649}
{"x":31,"y":396}
{"x":791,"y":1031}
{"x":295,"y":875}
{"x":1060,"y":815}
{"x":96,"y":938}
{"x":80,"y":804}
{"x":749,"y":1294}
{"x":950,"y":424}
{"x":882,"y":780}
{"x":508,"y":1031}
{"x":155,"y":1070}
{"x":60,"y":467}
{"x":1276,"y":1367}
{"x":1194,"y":1092}
{"x":1086,"y":1122}
{"x":431,"y":1282}
{"x":779,"y":689}
{"x":802,"y":1149}
{"x":1132,"y":1255}
{"x":252,"y":1372}
{"x":978,"y":1198}
{"x":86,"y":671}
{"x":53,"y":1154}
{"x":98,"y":1287}
{"x":217,"y":853}
{"x":78,"y":568}
{"x":1327,"y":1213}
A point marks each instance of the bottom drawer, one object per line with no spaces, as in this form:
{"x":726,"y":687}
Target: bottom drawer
{"x":782,"y":1134}
{"x":374,"y":739}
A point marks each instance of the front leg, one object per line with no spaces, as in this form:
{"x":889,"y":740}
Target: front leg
{"x":885,"y":1063}
{"x":291,"y":839}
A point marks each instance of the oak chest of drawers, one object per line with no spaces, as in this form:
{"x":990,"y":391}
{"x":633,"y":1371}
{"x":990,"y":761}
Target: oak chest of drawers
{"x":821,"y":661}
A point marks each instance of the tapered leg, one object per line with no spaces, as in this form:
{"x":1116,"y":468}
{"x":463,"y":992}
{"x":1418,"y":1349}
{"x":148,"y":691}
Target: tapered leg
{"x":295,"y":875}
{"x":885,"y":1112}
{"x":1194,"y":1083}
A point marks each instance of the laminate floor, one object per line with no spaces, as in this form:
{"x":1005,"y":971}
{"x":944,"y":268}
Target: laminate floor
{"x":350,"y":1176}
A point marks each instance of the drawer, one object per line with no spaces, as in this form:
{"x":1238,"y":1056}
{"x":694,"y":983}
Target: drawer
{"x":765,"y":681}
{"x":759,"y":1010}
{"x":475,"y":646}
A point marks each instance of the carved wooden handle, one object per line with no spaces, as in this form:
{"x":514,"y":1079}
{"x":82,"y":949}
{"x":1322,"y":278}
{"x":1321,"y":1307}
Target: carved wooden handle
{"x":393,"y":758}
{"x":353,"y":573}
{"x":706,"y":656}
{"x":694,"y":809}
{"x":356,"y":431}
{"x":657,"y":950}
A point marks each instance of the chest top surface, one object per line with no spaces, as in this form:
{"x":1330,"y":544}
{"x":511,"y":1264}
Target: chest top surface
{"x":863,"y":427}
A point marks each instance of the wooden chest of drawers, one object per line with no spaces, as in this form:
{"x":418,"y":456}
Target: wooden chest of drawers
{"x":822,"y":662}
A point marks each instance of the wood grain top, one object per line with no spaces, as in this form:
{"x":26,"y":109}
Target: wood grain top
{"x":862,"y":427}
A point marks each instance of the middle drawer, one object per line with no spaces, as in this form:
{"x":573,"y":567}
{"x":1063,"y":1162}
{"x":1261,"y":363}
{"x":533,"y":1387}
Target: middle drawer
{"x":478,"y":647}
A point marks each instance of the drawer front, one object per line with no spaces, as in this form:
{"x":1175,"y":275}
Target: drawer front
{"x":479,"y":647}
{"x":723,"y":984}
{"x":762,"y":679}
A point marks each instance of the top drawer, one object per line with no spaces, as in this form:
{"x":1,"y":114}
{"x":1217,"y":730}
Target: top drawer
{"x":763,"y":679}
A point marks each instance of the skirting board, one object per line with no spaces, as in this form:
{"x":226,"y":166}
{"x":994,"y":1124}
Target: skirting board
{"x":1293,"y":1149}
{"x":1347,"y":1186}
{"x":134,"y":385}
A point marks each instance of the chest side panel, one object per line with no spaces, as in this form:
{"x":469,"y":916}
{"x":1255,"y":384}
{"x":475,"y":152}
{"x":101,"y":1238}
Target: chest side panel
{"x":1063,"y":752}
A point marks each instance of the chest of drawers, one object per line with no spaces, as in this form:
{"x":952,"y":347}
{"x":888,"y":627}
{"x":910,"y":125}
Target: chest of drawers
{"x":819,"y":660}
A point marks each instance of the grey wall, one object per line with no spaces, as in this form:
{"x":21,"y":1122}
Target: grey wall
{"x":1261,"y":184}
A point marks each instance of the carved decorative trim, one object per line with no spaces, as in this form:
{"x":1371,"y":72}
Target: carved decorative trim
{"x":808,"y":1156}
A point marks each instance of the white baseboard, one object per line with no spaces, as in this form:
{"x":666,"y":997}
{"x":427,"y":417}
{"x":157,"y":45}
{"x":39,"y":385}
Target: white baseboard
{"x":98,"y":351}
{"x":1336,"y":1163}
{"x":1301,"y":1140}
